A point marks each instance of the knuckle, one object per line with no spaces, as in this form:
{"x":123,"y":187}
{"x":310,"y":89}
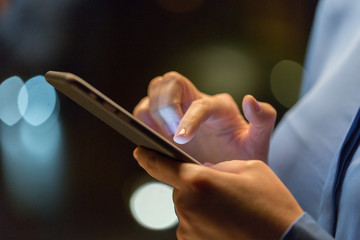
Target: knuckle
{"x":196,"y":180}
{"x":200,"y":107}
{"x":154,"y":83}
{"x":172,"y":75}
{"x":224,"y":97}
{"x":254,"y":164}
{"x":141,"y":107}
{"x":201,"y":103}
{"x":173,"y":80}
{"x":226,"y":100}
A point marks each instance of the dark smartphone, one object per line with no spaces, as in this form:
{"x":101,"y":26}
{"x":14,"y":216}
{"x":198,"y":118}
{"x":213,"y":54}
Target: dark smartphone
{"x":114,"y":115}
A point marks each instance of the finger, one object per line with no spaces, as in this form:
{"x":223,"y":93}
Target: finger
{"x":162,"y":168}
{"x":261,"y":117}
{"x":198,"y":112}
{"x":234,"y":166}
{"x":176,"y":93}
{"x":215,"y":108}
{"x":171,"y":116}
{"x":154,"y":95}
{"x":142,"y":112}
{"x":180,"y":90}
{"x":170,"y":96}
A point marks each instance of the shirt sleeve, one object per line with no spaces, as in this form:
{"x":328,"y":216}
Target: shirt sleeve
{"x":306,"y":228}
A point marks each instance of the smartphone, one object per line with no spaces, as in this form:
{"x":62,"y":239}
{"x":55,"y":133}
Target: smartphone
{"x":114,"y":115}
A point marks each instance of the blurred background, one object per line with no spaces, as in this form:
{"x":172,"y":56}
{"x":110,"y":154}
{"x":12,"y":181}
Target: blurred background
{"x":66,"y":175}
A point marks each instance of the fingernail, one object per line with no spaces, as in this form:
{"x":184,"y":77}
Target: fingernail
{"x":207,"y":164}
{"x":180,"y":132}
{"x":256,"y":105}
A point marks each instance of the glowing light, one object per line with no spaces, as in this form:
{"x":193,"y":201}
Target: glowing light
{"x":180,"y":6}
{"x":152,"y":206}
{"x":9,"y":91}
{"x":285,"y":82}
{"x":37,"y":100}
{"x":42,"y":142}
{"x":33,"y":169}
{"x":31,"y":156}
{"x":222,"y":68}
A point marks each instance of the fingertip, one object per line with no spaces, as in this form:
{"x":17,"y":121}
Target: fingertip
{"x":246,"y":105}
{"x":251,"y":104}
{"x":136,"y":155}
{"x":137,"y":152}
{"x":181,"y":136}
{"x":181,"y":139}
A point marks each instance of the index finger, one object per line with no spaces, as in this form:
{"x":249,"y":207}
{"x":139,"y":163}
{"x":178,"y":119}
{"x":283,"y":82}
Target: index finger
{"x":169,"y":95}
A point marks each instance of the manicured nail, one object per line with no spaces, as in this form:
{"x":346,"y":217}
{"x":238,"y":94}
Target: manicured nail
{"x":180,"y":133}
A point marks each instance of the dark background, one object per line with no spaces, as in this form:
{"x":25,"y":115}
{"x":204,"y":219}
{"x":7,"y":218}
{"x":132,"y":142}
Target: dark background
{"x":119,"y":46}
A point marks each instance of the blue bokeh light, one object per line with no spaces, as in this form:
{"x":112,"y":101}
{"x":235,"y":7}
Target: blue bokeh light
{"x":33,"y":167}
{"x":37,"y":100}
{"x":9,"y":91}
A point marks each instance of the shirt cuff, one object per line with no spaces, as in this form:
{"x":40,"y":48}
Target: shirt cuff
{"x":305,"y":228}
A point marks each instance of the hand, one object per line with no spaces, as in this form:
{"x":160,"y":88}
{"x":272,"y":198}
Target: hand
{"x":230,"y":200}
{"x":217,"y":130}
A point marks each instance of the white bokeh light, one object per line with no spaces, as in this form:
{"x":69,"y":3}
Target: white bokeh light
{"x":152,"y":206}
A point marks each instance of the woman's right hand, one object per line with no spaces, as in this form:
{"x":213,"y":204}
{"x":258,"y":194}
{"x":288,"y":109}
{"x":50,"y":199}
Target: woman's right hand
{"x":209,"y":128}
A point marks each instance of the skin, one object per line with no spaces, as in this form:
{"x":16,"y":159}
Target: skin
{"x":224,"y":198}
{"x":217,"y":130}
{"x":230,"y":200}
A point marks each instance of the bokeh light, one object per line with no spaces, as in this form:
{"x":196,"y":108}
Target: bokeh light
{"x":9,"y":91}
{"x":37,"y":100}
{"x":285,"y":82}
{"x":41,"y":141}
{"x":152,"y":206}
{"x":31,"y":157}
{"x":222,"y":68}
{"x":33,"y":169}
{"x":180,"y":6}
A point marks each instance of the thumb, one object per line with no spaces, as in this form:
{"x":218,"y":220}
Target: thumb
{"x":261,"y":117}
